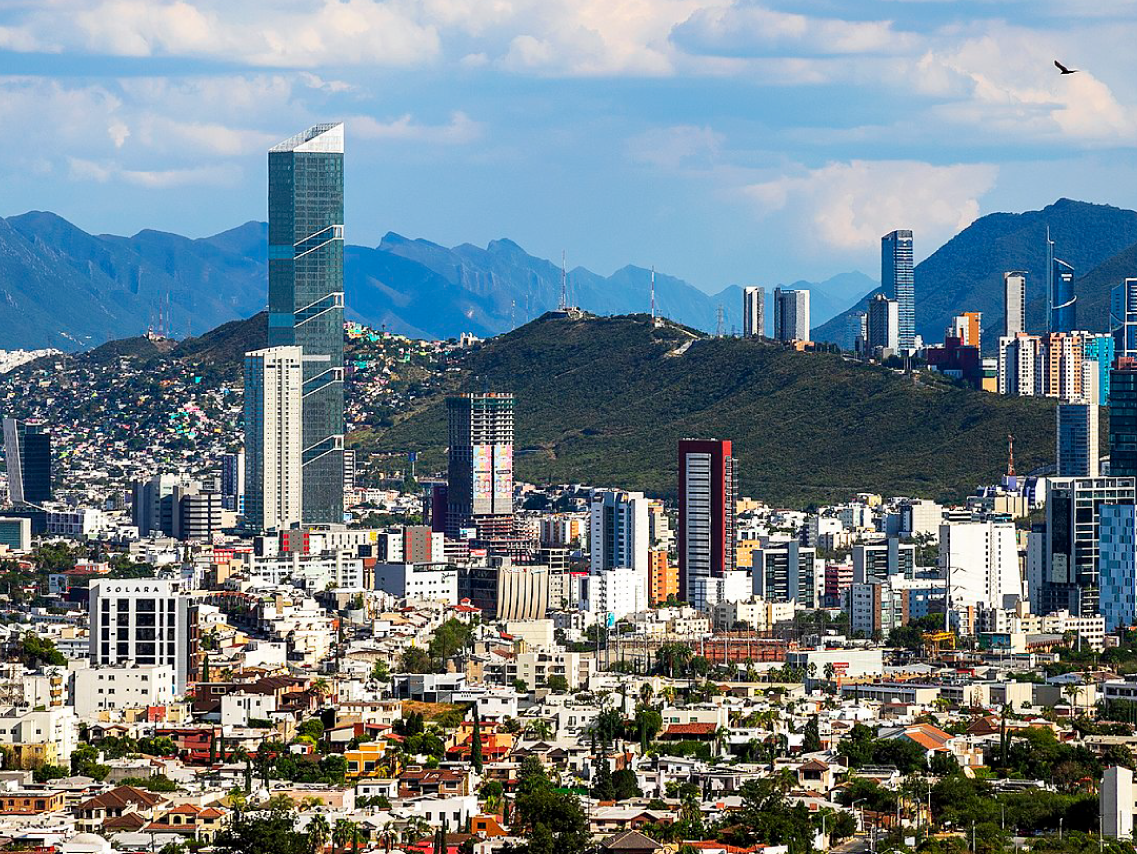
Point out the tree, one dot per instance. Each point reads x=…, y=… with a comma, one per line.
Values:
x=476, y=743
x=625, y=785
x=268, y=832
x=811, y=738
x=36, y=651
x=416, y=660
x=603, y=788
x=553, y=822
x=318, y=832
x=557, y=683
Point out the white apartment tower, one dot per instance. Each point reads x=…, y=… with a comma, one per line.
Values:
x=273, y=437
x=754, y=312
x=143, y=622
x=1014, y=303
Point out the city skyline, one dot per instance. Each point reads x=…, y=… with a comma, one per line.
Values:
x=729, y=143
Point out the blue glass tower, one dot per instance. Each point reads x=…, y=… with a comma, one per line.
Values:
x=898, y=279
x=1060, y=291
x=305, y=299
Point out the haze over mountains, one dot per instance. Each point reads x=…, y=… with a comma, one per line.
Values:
x=62, y=287
x=966, y=273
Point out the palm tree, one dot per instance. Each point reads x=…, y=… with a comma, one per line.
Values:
x=342, y=832
x=1073, y=691
x=321, y=686
x=318, y=832
x=646, y=692
x=720, y=739
x=540, y=728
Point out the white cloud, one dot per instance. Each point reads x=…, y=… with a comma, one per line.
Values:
x=752, y=29
x=848, y=206
x=103, y=172
x=459, y=130
x=677, y=146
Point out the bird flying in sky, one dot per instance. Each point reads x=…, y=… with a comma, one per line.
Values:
x=1064, y=69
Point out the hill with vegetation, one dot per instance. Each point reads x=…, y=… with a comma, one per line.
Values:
x=605, y=400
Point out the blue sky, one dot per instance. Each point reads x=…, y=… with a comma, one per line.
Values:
x=724, y=141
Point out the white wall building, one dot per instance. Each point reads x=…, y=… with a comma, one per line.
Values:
x=273, y=437
x=981, y=563
x=100, y=689
x=618, y=592
x=432, y=582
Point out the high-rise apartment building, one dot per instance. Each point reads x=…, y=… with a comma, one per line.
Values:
x=1077, y=439
x=233, y=482
x=1070, y=555
x=1123, y=318
x=480, y=476
x=1014, y=303
x=1018, y=359
x=144, y=622
x=1058, y=370
x=980, y=561
x=663, y=577
x=349, y=470
x=152, y=507
x=787, y=572
x=968, y=328
x=708, y=495
x=791, y=314
x=619, y=531
x=27, y=452
x=1061, y=302
x=1100, y=349
x=754, y=312
x=1123, y=419
x=897, y=277
x=882, y=324
x=274, y=471
x=305, y=299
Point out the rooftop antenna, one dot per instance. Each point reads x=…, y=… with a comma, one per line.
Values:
x=653, y=293
x=719, y=325
x=513, y=314
x=1010, y=455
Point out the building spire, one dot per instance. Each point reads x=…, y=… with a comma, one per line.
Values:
x=1010, y=455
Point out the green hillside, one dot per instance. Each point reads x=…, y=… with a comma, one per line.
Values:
x=604, y=400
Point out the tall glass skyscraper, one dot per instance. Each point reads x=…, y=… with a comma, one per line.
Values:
x=898, y=278
x=27, y=449
x=305, y=298
x=1063, y=316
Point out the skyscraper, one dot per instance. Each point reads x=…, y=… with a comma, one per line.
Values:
x=1123, y=419
x=1018, y=362
x=1014, y=303
x=1071, y=548
x=27, y=451
x=882, y=325
x=274, y=472
x=305, y=298
x=480, y=475
x=1123, y=318
x=1063, y=310
x=897, y=277
x=1077, y=439
x=233, y=482
x=618, y=532
x=1117, y=560
x=754, y=312
x=791, y=314
x=708, y=495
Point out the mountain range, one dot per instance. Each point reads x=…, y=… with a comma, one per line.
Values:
x=966, y=273
x=62, y=287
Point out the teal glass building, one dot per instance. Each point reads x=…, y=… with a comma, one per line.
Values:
x=306, y=298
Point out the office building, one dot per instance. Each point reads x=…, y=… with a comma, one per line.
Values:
x=1123, y=418
x=856, y=330
x=754, y=312
x=1117, y=565
x=505, y=591
x=1018, y=359
x=920, y=517
x=274, y=471
x=411, y=544
x=16, y=533
x=152, y=508
x=233, y=482
x=787, y=572
x=1061, y=302
x=197, y=513
x=791, y=314
x=1099, y=351
x=968, y=328
x=1077, y=440
x=480, y=476
x=305, y=300
x=1014, y=303
x=1070, y=575
x=708, y=494
x=1116, y=803
x=27, y=453
x=662, y=577
x=897, y=278
x=980, y=561
x=144, y=622
x=882, y=325
x=1123, y=318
